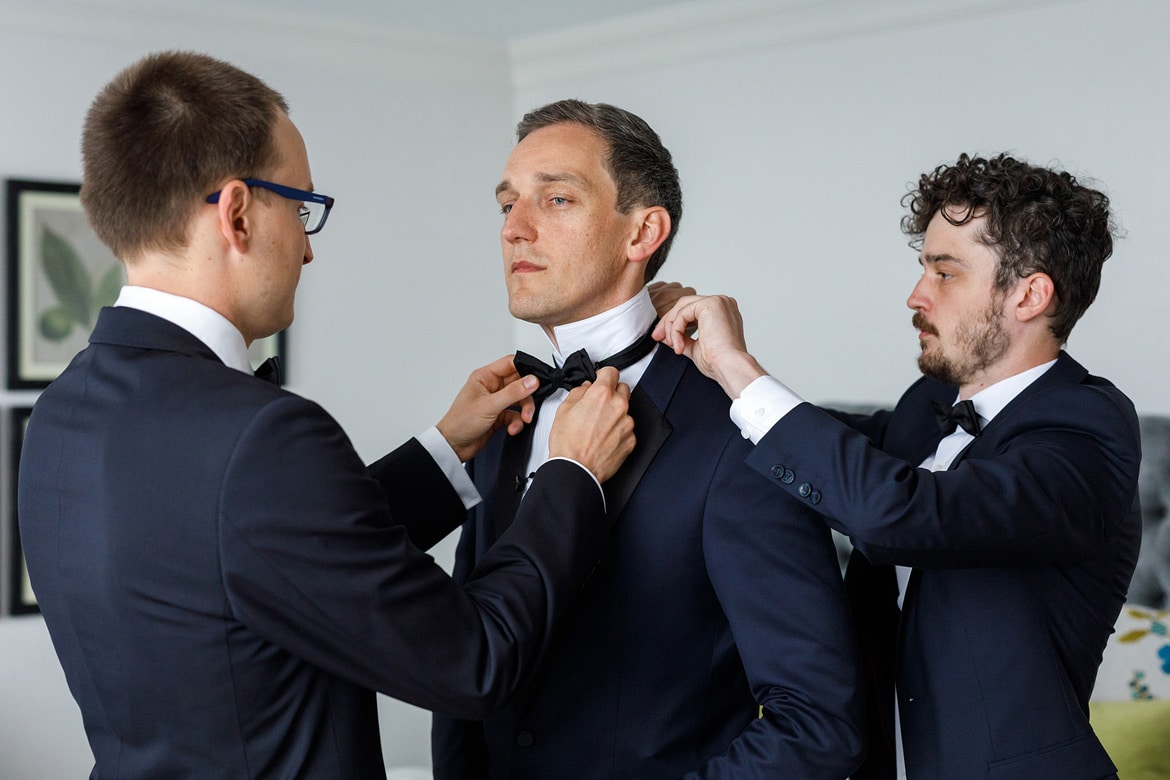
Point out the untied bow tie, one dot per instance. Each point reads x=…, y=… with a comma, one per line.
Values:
x=962, y=414
x=578, y=367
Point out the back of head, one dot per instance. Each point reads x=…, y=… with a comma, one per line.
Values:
x=161, y=137
x=641, y=166
x=1038, y=220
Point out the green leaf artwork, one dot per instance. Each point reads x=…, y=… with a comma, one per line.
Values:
x=78, y=299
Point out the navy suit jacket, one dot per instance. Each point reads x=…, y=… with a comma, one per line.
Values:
x=226, y=585
x=707, y=604
x=1022, y=553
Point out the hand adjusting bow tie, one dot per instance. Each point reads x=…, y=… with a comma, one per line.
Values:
x=269, y=370
x=578, y=366
x=962, y=414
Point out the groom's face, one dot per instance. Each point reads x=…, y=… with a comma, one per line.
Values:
x=564, y=242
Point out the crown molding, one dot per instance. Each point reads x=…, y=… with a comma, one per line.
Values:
x=706, y=28
x=233, y=30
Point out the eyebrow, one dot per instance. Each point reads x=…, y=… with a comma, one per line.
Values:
x=924, y=259
x=550, y=178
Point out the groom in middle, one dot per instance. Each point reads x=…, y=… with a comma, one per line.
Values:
x=712, y=639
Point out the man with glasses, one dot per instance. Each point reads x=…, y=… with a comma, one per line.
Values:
x=225, y=583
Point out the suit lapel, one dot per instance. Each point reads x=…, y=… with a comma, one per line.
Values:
x=651, y=430
x=648, y=403
x=1067, y=370
x=508, y=486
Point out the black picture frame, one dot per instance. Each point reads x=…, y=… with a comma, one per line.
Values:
x=59, y=275
x=21, y=599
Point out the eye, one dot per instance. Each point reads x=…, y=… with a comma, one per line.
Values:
x=505, y=208
x=558, y=200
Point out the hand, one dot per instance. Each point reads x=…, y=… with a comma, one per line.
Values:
x=719, y=350
x=487, y=402
x=593, y=427
x=664, y=295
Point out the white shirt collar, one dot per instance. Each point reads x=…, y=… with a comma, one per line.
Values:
x=202, y=322
x=607, y=333
x=992, y=399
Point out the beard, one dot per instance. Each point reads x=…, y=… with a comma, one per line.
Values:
x=980, y=341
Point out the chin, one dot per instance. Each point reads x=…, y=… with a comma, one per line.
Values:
x=524, y=312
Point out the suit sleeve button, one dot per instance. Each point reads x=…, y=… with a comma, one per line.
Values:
x=815, y=497
x=804, y=490
x=778, y=472
x=788, y=477
x=524, y=739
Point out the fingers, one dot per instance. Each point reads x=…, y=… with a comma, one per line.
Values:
x=482, y=407
x=664, y=294
x=593, y=426
x=497, y=374
x=672, y=328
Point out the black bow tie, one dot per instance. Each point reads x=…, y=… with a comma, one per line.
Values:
x=269, y=370
x=578, y=367
x=962, y=414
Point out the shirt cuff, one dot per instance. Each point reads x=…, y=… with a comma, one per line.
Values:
x=587, y=471
x=434, y=443
x=761, y=405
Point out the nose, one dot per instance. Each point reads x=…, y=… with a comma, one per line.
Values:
x=918, y=300
x=517, y=225
x=308, y=252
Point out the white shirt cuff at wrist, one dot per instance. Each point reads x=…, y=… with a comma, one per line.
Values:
x=761, y=405
x=434, y=443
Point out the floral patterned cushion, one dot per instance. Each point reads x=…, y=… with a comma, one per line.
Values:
x=1136, y=664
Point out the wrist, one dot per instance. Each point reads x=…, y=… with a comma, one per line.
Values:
x=735, y=370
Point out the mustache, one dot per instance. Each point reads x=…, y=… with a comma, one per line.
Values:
x=919, y=322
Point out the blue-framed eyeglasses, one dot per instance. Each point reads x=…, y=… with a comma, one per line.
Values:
x=314, y=209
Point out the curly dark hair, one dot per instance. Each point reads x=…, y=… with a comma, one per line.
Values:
x=1038, y=220
x=641, y=166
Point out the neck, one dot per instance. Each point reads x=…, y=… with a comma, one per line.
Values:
x=607, y=332
x=1007, y=368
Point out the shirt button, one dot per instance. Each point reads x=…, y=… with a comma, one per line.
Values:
x=524, y=739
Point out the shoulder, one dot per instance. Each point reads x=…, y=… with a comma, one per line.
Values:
x=1069, y=395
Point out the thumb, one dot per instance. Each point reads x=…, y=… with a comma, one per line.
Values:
x=514, y=392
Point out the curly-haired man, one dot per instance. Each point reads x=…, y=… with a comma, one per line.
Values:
x=995, y=539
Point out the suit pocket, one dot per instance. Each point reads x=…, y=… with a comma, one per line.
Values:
x=1081, y=758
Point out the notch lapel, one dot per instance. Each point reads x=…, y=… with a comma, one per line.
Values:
x=651, y=430
x=510, y=479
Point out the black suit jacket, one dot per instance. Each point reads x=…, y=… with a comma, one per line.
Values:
x=709, y=603
x=225, y=583
x=1022, y=553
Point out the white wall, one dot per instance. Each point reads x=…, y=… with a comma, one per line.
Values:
x=796, y=127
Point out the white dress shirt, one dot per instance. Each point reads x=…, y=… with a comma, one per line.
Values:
x=600, y=336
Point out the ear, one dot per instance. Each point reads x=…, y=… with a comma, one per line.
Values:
x=235, y=202
x=653, y=226
x=1035, y=297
